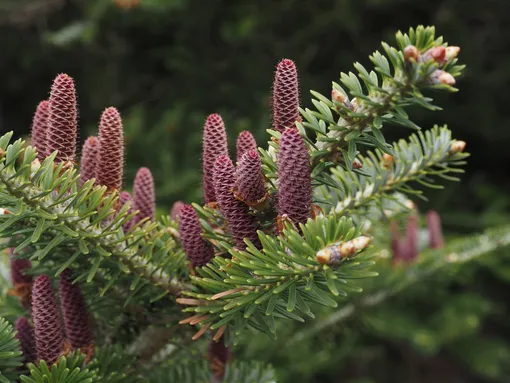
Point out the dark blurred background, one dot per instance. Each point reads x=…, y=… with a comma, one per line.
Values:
x=166, y=64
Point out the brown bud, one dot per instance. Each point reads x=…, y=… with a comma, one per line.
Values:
x=451, y=52
x=441, y=77
x=411, y=53
x=457, y=147
x=387, y=161
x=339, y=97
x=356, y=164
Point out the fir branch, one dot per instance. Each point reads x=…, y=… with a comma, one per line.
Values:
x=423, y=156
x=255, y=286
x=10, y=352
x=47, y=199
x=377, y=97
x=456, y=253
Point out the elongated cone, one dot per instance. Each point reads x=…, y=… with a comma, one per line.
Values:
x=143, y=196
x=110, y=161
x=88, y=161
x=245, y=142
x=219, y=356
x=294, y=179
x=40, y=129
x=240, y=223
x=285, y=95
x=435, y=231
x=410, y=244
x=175, y=212
x=63, y=119
x=214, y=145
x=25, y=334
x=49, y=339
x=249, y=186
x=74, y=311
x=199, y=251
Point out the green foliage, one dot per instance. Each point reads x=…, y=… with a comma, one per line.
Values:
x=67, y=370
x=198, y=372
x=10, y=354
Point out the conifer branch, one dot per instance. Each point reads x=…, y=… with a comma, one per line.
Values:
x=47, y=199
x=456, y=253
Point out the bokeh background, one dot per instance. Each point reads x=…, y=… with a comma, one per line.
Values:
x=166, y=64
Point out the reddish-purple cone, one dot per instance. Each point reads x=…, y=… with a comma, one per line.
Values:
x=214, y=145
x=199, y=251
x=144, y=199
x=49, y=339
x=285, y=95
x=240, y=223
x=25, y=335
x=63, y=119
x=110, y=161
x=175, y=212
x=88, y=162
x=249, y=185
x=74, y=311
x=245, y=142
x=410, y=244
x=40, y=129
x=294, y=180
x=219, y=356
x=435, y=231
x=18, y=268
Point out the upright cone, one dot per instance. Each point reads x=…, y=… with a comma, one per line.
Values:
x=62, y=120
x=76, y=317
x=294, y=178
x=144, y=198
x=198, y=251
x=214, y=145
x=245, y=142
x=240, y=223
x=285, y=95
x=49, y=338
x=40, y=129
x=88, y=162
x=110, y=161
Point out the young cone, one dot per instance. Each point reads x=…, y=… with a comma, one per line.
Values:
x=219, y=356
x=294, y=179
x=410, y=245
x=49, y=340
x=214, y=145
x=110, y=160
x=40, y=129
x=435, y=232
x=143, y=196
x=25, y=335
x=76, y=317
x=62, y=120
x=245, y=142
x=240, y=223
x=249, y=185
x=88, y=162
x=175, y=212
x=285, y=95
x=199, y=251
